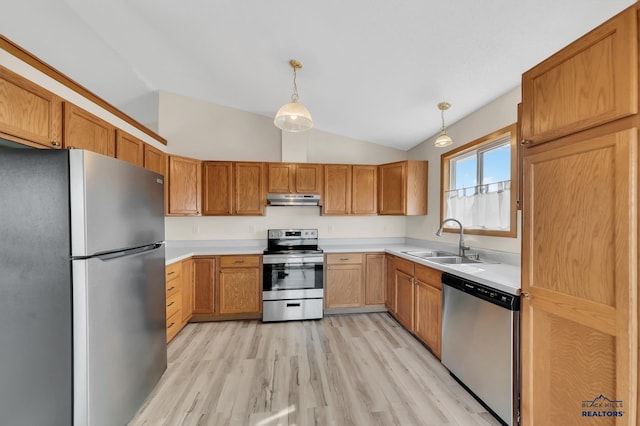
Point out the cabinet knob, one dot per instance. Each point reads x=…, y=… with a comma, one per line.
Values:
x=525, y=294
x=525, y=142
x=55, y=143
x=71, y=147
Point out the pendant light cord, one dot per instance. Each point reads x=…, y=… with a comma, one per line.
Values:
x=442, y=115
x=294, y=96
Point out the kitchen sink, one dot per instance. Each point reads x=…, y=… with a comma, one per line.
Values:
x=429, y=254
x=452, y=260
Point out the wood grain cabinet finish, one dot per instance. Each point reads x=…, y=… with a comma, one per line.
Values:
x=83, y=130
x=428, y=307
x=344, y=283
x=155, y=160
x=402, y=188
x=404, y=299
x=184, y=193
x=28, y=113
x=374, y=287
x=233, y=188
x=239, y=285
x=390, y=284
x=350, y=190
x=188, y=284
x=204, y=286
x=291, y=178
x=592, y=81
x=173, y=282
x=129, y=148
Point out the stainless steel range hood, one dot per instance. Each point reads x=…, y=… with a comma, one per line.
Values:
x=293, y=199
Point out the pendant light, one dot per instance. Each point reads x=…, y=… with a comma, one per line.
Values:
x=443, y=139
x=294, y=117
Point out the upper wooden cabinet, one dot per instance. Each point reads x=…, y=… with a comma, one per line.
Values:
x=184, y=185
x=155, y=160
x=349, y=190
x=83, y=130
x=129, y=148
x=291, y=178
x=29, y=113
x=592, y=81
x=402, y=188
x=233, y=188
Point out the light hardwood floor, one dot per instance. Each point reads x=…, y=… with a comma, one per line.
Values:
x=342, y=370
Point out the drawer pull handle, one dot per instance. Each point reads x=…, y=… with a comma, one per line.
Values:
x=344, y=258
x=171, y=273
x=171, y=288
x=293, y=305
x=239, y=261
x=170, y=325
x=169, y=305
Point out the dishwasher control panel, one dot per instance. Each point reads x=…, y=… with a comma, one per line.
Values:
x=497, y=297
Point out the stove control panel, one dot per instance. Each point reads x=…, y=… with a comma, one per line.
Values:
x=292, y=233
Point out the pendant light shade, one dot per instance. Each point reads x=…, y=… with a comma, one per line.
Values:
x=294, y=117
x=443, y=139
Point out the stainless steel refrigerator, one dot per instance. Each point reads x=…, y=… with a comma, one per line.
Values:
x=82, y=297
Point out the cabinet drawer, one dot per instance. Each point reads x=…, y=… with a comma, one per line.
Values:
x=173, y=326
x=404, y=265
x=173, y=271
x=344, y=258
x=429, y=276
x=173, y=305
x=239, y=261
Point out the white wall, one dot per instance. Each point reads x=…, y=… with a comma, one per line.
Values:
x=497, y=114
x=203, y=130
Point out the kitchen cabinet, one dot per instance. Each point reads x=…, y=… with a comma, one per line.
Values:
x=173, y=281
x=233, y=188
x=155, y=160
x=344, y=280
x=349, y=190
x=187, y=290
x=239, y=284
x=428, y=307
x=402, y=188
x=405, y=294
x=28, y=113
x=292, y=178
x=592, y=81
x=129, y=148
x=204, y=285
x=184, y=183
x=374, y=288
x=83, y=130
x=390, y=284
x=580, y=226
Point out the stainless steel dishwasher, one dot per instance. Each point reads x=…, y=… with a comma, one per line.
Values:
x=480, y=341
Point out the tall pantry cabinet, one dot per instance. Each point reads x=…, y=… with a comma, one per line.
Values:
x=580, y=229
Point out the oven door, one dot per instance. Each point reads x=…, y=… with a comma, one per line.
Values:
x=292, y=277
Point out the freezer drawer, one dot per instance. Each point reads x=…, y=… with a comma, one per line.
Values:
x=292, y=309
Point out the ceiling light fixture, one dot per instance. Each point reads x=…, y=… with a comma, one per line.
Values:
x=443, y=139
x=294, y=117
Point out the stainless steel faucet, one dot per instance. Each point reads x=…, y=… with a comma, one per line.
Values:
x=461, y=246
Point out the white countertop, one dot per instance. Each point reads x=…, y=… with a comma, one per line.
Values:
x=501, y=276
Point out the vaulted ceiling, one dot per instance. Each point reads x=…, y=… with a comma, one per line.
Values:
x=373, y=69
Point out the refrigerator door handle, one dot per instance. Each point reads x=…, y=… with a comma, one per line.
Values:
x=121, y=253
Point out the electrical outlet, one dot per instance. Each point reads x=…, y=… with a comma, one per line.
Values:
x=330, y=229
x=252, y=229
x=196, y=229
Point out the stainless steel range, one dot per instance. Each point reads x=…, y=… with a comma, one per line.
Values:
x=293, y=276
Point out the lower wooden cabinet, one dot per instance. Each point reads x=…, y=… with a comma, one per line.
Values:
x=344, y=281
x=404, y=299
x=188, y=283
x=428, y=307
x=204, y=285
x=173, y=282
x=239, y=284
x=374, y=276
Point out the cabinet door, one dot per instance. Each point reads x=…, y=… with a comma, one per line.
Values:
x=308, y=178
x=28, y=112
x=184, y=186
x=392, y=196
x=249, y=189
x=343, y=286
x=390, y=285
x=217, y=194
x=204, y=296
x=374, y=288
x=281, y=178
x=404, y=299
x=364, y=190
x=155, y=160
x=592, y=81
x=129, y=148
x=337, y=190
x=579, y=274
x=240, y=291
x=428, y=315
x=188, y=284
x=83, y=130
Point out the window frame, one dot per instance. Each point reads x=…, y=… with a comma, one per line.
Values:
x=480, y=144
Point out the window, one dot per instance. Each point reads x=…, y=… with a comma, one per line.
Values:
x=476, y=184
